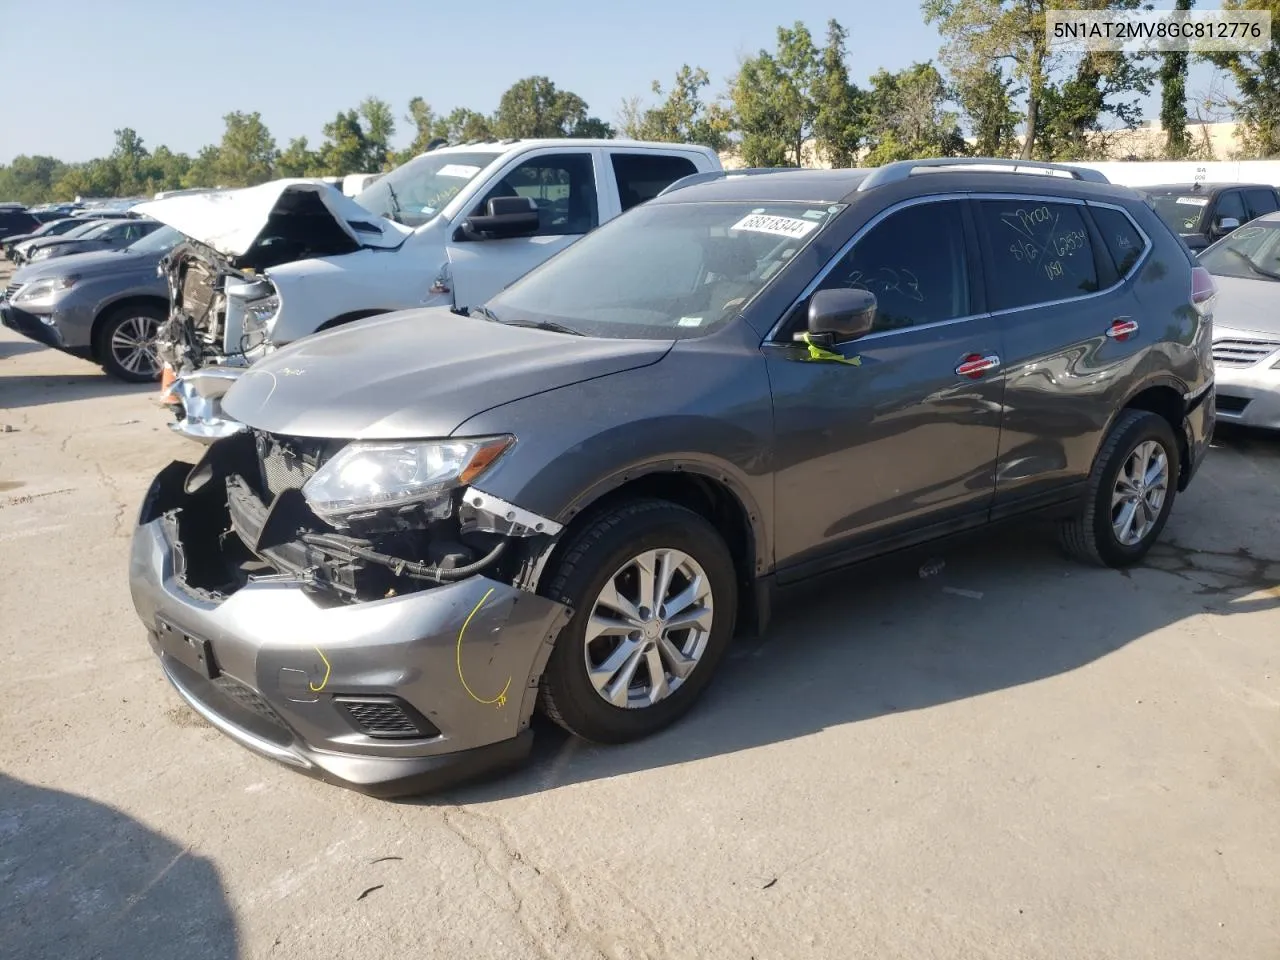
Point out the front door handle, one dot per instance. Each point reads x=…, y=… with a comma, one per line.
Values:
x=1122, y=328
x=975, y=365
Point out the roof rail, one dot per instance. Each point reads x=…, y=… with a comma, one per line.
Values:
x=893, y=172
x=709, y=175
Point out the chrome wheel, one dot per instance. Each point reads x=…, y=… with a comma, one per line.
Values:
x=648, y=628
x=1139, y=493
x=133, y=346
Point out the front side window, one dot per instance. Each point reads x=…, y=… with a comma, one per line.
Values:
x=561, y=186
x=1230, y=204
x=415, y=192
x=642, y=176
x=1252, y=252
x=666, y=270
x=1039, y=252
x=914, y=262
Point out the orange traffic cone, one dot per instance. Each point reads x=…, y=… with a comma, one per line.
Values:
x=167, y=379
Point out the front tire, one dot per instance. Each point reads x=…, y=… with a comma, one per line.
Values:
x=1131, y=491
x=126, y=343
x=654, y=594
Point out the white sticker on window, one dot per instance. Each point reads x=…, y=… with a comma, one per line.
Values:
x=689, y=322
x=1192, y=201
x=782, y=226
x=458, y=170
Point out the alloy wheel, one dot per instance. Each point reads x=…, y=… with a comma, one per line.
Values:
x=648, y=628
x=133, y=346
x=1139, y=493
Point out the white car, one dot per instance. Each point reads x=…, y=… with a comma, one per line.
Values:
x=274, y=263
x=1246, y=323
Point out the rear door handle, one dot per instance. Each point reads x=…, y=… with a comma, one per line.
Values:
x=975, y=365
x=1122, y=328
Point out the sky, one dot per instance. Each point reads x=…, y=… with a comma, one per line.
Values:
x=76, y=70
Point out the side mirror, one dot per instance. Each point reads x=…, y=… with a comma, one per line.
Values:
x=507, y=217
x=841, y=314
x=1225, y=225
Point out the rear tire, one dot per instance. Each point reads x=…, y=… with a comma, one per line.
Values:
x=1131, y=490
x=654, y=594
x=125, y=343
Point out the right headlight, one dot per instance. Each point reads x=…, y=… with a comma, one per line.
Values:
x=363, y=477
x=41, y=253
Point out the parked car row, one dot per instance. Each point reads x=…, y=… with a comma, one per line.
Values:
x=451, y=478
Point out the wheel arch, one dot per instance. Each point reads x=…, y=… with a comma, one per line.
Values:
x=106, y=310
x=713, y=495
x=1166, y=398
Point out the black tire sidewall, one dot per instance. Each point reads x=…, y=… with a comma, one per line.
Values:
x=662, y=526
x=109, y=326
x=1149, y=427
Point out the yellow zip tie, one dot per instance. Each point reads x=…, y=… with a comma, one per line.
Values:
x=501, y=698
x=327, y=668
x=819, y=353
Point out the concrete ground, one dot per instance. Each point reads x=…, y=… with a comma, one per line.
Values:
x=1015, y=758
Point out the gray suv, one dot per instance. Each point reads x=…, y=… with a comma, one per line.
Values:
x=573, y=498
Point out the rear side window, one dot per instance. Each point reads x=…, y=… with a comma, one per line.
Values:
x=1039, y=252
x=643, y=176
x=1125, y=244
x=1260, y=202
x=914, y=262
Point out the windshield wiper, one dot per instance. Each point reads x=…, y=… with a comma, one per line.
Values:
x=551, y=325
x=1260, y=271
x=395, y=203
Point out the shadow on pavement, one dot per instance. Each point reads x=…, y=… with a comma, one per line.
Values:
x=14, y=348
x=82, y=880
x=36, y=389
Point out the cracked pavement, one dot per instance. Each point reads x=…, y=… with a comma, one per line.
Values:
x=1015, y=758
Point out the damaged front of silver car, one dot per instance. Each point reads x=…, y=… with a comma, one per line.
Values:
x=223, y=295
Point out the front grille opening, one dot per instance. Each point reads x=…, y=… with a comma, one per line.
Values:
x=286, y=463
x=1229, y=404
x=1242, y=353
x=387, y=718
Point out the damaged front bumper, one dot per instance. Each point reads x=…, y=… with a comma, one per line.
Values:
x=197, y=400
x=395, y=696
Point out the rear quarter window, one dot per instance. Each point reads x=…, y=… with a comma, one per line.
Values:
x=1124, y=242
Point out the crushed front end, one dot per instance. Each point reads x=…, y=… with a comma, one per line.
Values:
x=393, y=650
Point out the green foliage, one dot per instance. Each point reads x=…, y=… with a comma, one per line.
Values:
x=839, y=123
x=908, y=116
x=682, y=117
x=773, y=98
x=535, y=107
x=247, y=154
x=379, y=128
x=1257, y=77
x=986, y=101
x=1173, y=99
x=297, y=160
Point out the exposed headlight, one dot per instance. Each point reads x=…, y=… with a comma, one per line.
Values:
x=44, y=290
x=372, y=476
x=41, y=253
x=259, y=313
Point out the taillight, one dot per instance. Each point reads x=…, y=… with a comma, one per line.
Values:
x=1203, y=290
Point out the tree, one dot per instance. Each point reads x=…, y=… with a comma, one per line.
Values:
x=534, y=107
x=379, y=128
x=344, y=149
x=986, y=99
x=682, y=117
x=130, y=158
x=30, y=179
x=1105, y=83
x=166, y=169
x=773, y=99
x=839, y=119
x=463, y=125
x=909, y=118
x=247, y=154
x=1257, y=77
x=424, y=121
x=297, y=160
x=203, y=171
x=1173, y=99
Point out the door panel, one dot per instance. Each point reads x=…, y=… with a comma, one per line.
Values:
x=900, y=441
x=1045, y=263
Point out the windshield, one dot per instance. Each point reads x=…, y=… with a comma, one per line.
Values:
x=160, y=240
x=1253, y=252
x=668, y=271
x=1180, y=210
x=414, y=192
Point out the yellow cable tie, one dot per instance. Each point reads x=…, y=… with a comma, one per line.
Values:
x=819, y=353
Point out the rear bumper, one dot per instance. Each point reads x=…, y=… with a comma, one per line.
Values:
x=1198, y=427
x=277, y=667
